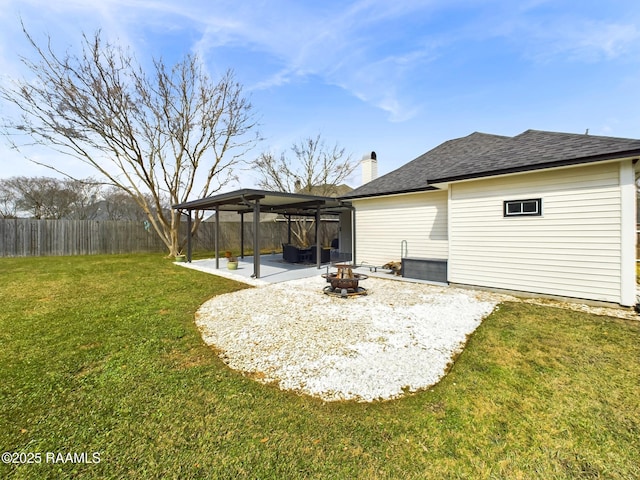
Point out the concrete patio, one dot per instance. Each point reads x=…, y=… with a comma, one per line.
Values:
x=273, y=269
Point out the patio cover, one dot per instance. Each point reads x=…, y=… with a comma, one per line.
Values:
x=262, y=201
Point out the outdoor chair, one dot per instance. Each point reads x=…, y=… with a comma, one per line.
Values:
x=290, y=253
x=325, y=255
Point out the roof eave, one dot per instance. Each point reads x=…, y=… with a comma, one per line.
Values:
x=427, y=188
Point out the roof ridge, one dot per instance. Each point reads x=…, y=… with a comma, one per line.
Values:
x=488, y=135
x=572, y=134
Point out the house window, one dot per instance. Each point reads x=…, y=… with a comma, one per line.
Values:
x=519, y=208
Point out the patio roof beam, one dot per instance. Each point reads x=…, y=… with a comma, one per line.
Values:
x=288, y=210
x=293, y=213
x=300, y=206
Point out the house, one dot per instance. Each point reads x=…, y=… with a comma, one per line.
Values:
x=541, y=212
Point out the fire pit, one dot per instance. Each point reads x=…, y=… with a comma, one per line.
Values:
x=344, y=283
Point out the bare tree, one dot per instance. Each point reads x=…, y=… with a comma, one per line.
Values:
x=117, y=205
x=86, y=194
x=315, y=169
x=46, y=197
x=166, y=136
x=41, y=197
x=8, y=200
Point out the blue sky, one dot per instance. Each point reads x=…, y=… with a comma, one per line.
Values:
x=398, y=77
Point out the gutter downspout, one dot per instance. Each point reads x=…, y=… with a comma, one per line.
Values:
x=628, y=234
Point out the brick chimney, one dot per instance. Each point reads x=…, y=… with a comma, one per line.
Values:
x=369, y=167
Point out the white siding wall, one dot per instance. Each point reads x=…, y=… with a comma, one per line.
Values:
x=383, y=223
x=573, y=249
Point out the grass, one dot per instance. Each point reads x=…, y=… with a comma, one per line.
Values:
x=100, y=354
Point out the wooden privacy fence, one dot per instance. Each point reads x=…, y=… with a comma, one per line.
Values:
x=23, y=237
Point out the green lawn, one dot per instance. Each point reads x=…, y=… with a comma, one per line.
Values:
x=100, y=354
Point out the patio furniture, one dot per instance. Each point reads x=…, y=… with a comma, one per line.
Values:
x=290, y=253
x=293, y=254
x=325, y=255
x=304, y=255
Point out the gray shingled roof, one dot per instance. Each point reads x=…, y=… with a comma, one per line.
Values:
x=480, y=155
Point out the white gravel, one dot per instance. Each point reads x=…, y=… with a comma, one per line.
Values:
x=399, y=338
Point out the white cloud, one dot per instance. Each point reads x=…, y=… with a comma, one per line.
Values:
x=584, y=41
x=338, y=45
x=609, y=40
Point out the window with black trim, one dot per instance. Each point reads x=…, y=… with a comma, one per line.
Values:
x=531, y=207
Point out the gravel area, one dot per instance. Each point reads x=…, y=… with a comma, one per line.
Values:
x=399, y=338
